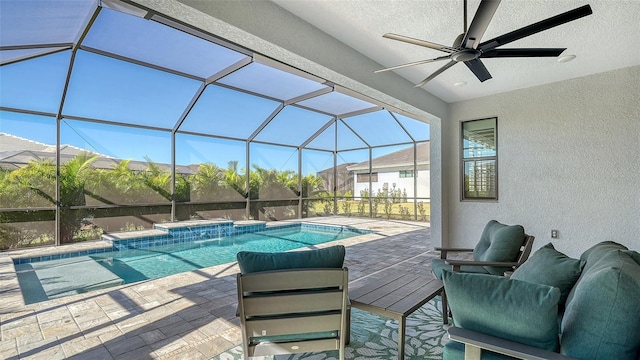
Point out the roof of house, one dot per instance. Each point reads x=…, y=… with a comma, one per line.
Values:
x=401, y=158
x=13, y=144
x=16, y=152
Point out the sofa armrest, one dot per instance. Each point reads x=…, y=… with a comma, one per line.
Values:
x=444, y=251
x=456, y=264
x=475, y=342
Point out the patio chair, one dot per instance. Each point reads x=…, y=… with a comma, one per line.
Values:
x=293, y=302
x=501, y=248
x=293, y=311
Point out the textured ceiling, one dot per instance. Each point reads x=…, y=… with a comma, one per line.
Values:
x=606, y=40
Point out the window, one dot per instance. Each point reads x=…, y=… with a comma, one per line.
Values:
x=364, y=178
x=406, y=173
x=479, y=159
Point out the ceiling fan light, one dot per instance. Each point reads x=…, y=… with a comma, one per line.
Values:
x=566, y=58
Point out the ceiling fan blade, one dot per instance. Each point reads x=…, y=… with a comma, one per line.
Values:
x=523, y=52
x=418, y=42
x=436, y=73
x=479, y=24
x=477, y=67
x=536, y=27
x=412, y=64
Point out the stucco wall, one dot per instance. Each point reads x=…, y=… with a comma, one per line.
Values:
x=569, y=159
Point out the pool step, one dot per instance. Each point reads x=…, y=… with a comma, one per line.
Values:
x=58, y=278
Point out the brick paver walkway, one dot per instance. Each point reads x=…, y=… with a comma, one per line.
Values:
x=183, y=316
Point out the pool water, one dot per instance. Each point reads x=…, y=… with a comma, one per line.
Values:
x=137, y=259
x=160, y=261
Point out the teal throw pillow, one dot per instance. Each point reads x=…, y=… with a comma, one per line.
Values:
x=510, y=309
x=602, y=318
x=597, y=251
x=330, y=257
x=548, y=266
x=499, y=242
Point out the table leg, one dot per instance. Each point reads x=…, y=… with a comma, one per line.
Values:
x=445, y=308
x=402, y=322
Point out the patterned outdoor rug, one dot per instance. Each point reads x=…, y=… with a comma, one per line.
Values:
x=376, y=337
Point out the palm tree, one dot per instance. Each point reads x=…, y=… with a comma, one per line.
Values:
x=207, y=181
x=37, y=183
x=73, y=176
x=38, y=177
x=312, y=186
x=234, y=179
x=157, y=179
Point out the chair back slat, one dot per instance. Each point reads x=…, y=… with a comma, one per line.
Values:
x=292, y=303
x=279, y=326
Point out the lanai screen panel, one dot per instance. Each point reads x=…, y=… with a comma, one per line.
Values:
x=378, y=128
x=325, y=140
x=122, y=174
x=43, y=22
x=25, y=153
x=109, y=89
x=418, y=130
x=41, y=78
x=293, y=126
x=347, y=139
x=229, y=113
x=269, y=81
x=217, y=167
x=336, y=103
x=159, y=45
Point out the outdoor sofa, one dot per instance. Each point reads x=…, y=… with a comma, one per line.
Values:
x=552, y=307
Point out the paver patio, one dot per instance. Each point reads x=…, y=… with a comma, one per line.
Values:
x=184, y=316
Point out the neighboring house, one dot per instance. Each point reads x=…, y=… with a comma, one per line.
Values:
x=343, y=181
x=394, y=171
x=16, y=152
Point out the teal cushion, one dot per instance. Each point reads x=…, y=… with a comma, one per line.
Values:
x=550, y=267
x=597, y=251
x=510, y=309
x=330, y=257
x=437, y=265
x=593, y=255
x=602, y=319
x=499, y=242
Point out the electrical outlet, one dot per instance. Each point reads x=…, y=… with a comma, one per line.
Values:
x=554, y=234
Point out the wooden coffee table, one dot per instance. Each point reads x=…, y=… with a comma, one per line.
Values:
x=396, y=294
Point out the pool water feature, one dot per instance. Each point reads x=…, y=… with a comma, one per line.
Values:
x=170, y=251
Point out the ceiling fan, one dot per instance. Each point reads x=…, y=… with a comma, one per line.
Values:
x=468, y=49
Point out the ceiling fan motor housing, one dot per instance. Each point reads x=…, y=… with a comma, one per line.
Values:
x=465, y=55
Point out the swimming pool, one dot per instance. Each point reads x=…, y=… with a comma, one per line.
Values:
x=151, y=263
x=137, y=260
